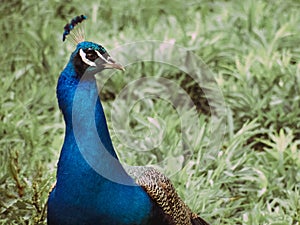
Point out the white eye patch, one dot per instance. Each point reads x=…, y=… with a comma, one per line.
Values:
x=86, y=60
x=101, y=56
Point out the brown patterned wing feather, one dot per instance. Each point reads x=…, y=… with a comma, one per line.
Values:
x=162, y=191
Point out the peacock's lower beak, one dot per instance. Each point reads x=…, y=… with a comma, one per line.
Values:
x=112, y=64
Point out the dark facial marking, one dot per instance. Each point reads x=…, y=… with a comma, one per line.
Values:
x=91, y=54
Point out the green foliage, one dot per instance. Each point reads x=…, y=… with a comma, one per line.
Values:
x=252, y=47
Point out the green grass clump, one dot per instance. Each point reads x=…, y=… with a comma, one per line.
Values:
x=252, y=49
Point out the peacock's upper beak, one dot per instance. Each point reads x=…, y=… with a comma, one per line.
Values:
x=112, y=64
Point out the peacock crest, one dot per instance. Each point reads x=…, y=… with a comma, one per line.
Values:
x=75, y=32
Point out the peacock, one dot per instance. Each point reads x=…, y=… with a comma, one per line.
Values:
x=92, y=187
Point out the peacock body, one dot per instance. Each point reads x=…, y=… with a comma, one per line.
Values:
x=83, y=195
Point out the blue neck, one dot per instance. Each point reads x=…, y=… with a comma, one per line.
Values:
x=86, y=132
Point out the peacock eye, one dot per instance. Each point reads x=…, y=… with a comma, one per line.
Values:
x=91, y=55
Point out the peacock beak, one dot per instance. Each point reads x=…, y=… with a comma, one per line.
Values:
x=112, y=64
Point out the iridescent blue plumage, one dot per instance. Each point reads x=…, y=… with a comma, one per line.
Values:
x=81, y=195
x=92, y=187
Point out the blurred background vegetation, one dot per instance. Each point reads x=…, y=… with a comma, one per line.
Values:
x=252, y=48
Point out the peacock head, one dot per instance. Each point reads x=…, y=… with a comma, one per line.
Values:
x=89, y=57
